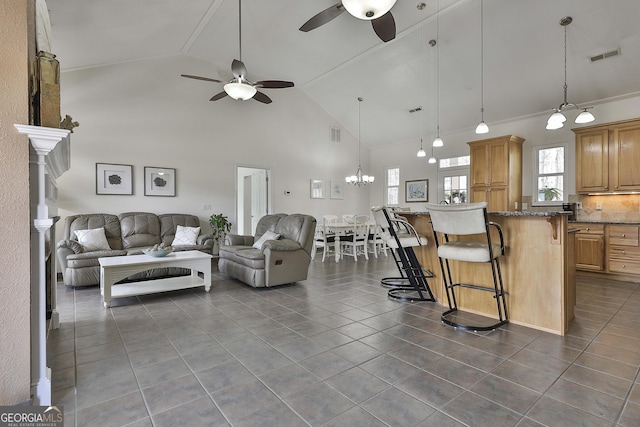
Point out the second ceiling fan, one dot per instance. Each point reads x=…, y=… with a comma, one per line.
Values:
x=240, y=87
x=376, y=11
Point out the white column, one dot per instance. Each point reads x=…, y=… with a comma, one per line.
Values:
x=43, y=140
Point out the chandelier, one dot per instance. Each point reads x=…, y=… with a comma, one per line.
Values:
x=557, y=119
x=359, y=178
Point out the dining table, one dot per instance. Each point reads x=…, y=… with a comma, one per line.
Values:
x=342, y=228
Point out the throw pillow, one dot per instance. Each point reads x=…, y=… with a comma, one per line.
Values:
x=93, y=239
x=268, y=235
x=185, y=236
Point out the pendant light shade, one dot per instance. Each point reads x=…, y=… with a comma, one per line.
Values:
x=438, y=142
x=368, y=9
x=585, y=117
x=557, y=118
x=482, y=126
x=421, y=152
x=359, y=178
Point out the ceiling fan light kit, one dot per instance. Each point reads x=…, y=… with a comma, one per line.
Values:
x=368, y=9
x=240, y=91
x=239, y=88
x=376, y=11
x=557, y=118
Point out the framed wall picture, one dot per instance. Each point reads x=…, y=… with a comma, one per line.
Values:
x=416, y=190
x=317, y=189
x=337, y=189
x=159, y=181
x=114, y=179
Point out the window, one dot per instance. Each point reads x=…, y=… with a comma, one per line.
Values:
x=392, y=190
x=549, y=174
x=453, y=180
x=455, y=189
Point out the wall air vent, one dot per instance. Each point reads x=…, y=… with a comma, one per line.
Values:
x=606, y=55
x=335, y=134
x=415, y=110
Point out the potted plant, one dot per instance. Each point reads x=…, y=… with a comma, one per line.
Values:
x=550, y=193
x=220, y=226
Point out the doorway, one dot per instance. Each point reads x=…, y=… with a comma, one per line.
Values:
x=253, y=195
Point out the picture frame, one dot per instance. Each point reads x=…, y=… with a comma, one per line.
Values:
x=416, y=190
x=337, y=190
x=114, y=179
x=317, y=190
x=159, y=181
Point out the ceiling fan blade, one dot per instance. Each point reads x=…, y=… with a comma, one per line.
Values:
x=274, y=84
x=385, y=27
x=218, y=96
x=238, y=69
x=261, y=97
x=200, y=78
x=323, y=17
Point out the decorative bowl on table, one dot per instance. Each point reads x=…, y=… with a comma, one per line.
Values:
x=158, y=252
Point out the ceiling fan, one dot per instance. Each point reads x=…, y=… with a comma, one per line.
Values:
x=240, y=87
x=376, y=11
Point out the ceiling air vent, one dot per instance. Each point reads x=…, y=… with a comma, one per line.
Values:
x=335, y=135
x=605, y=55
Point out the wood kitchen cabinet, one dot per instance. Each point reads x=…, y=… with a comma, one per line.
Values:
x=496, y=172
x=607, y=157
x=622, y=249
x=589, y=247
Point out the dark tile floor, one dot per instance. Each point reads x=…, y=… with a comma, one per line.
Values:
x=334, y=351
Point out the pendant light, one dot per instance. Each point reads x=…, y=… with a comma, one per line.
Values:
x=421, y=152
x=438, y=142
x=557, y=118
x=482, y=126
x=359, y=178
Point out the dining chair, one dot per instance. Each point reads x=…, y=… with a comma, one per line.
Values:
x=355, y=242
x=376, y=244
x=325, y=237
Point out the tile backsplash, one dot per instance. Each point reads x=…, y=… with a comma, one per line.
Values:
x=609, y=208
x=605, y=208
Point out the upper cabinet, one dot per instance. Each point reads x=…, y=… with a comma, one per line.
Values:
x=607, y=157
x=496, y=172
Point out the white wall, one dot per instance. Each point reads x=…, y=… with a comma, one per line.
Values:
x=532, y=129
x=144, y=114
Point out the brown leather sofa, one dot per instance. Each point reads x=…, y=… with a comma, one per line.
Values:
x=278, y=262
x=127, y=234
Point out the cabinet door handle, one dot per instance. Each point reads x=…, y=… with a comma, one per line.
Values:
x=587, y=229
x=606, y=187
x=623, y=235
x=624, y=252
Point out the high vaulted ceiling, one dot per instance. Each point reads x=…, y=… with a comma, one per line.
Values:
x=344, y=59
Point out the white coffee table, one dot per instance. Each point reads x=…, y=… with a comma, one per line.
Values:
x=114, y=269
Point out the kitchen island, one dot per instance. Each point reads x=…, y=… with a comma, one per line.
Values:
x=538, y=270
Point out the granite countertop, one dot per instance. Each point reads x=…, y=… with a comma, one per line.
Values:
x=604, y=222
x=505, y=213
